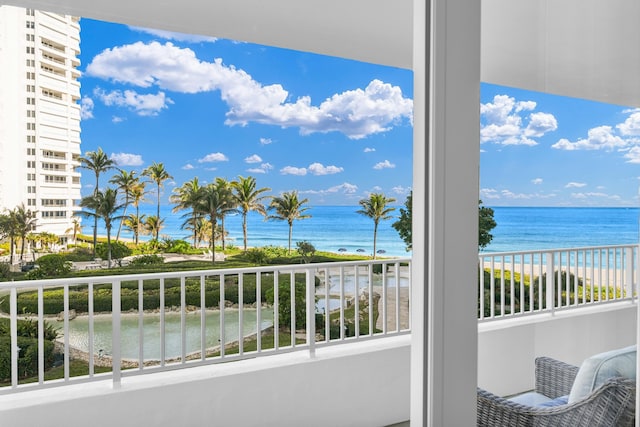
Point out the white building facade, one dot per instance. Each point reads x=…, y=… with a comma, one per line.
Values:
x=40, y=116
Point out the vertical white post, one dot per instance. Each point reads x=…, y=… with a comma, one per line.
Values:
x=65, y=298
x=628, y=272
x=115, y=335
x=311, y=313
x=13, y=325
x=40, y=335
x=550, y=288
x=203, y=319
x=445, y=212
x=241, y=314
x=140, y=324
x=222, y=299
x=183, y=319
x=162, y=325
x=91, y=334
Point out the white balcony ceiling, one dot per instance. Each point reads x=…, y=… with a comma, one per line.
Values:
x=580, y=48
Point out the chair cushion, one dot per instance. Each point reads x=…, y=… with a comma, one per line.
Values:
x=538, y=400
x=595, y=370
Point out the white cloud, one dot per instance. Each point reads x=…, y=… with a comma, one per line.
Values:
x=180, y=37
x=594, y=195
x=86, y=108
x=292, y=170
x=344, y=188
x=536, y=181
x=264, y=168
x=143, y=105
x=188, y=167
x=502, y=122
x=369, y=150
x=505, y=194
x=631, y=126
x=633, y=155
x=253, y=159
x=117, y=119
x=213, y=157
x=384, y=165
x=575, y=185
x=540, y=123
x=356, y=113
x=400, y=190
x=489, y=193
x=265, y=141
x=598, y=138
x=127, y=159
x=320, y=169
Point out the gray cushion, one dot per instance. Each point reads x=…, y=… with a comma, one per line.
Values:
x=595, y=370
x=538, y=400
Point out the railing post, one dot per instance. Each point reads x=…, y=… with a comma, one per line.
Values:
x=115, y=335
x=311, y=313
x=628, y=270
x=13, y=325
x=550, y=285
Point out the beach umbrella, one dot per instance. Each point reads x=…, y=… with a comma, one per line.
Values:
x=342, y=250
x=360, y=250
x=381, y=251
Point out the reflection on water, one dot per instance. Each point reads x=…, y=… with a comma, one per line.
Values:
x=79, y=332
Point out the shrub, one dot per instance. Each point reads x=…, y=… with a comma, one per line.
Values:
x=306, y=251
x=178, y=247
x=52, y=265
x=149, y=259
x=5, y=271
x=256, y=256
x=284, y=302
x=28, y=343
x=118, y=251
x=79, y=253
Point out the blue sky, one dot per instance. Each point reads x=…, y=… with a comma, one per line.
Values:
x=333, y=129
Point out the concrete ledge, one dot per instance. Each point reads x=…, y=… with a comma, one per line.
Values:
x=356, y=384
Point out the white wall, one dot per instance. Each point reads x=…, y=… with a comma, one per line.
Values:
x=507, y=348
x=364, y=384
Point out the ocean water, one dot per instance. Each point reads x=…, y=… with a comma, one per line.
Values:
x=529, y=228
x=330, y=228
x=333, y=227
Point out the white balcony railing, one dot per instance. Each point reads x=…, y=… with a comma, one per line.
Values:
x=134, y=324
x=521, y=283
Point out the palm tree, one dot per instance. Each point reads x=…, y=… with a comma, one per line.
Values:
x=153, y=225
x=186, y=197
x=248, y=198
x=24, y=222
x=124, y=182
x=228, y=203
x=8, y=229
x=103, y=205
x=288, y=208
x=98, y=162
x=134, y=223
x=158, y=174
x=76, y=228
x=137, y=196
x=211, y=204
x=375, y=207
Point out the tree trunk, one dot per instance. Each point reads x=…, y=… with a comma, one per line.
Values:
x=158, y=229
x=222, y=224
x=109, y=246
x=213, y=240
x=244, y=229
x=124, y=215
x=375, y=235
x=290, y=231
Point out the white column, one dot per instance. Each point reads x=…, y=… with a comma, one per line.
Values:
x=445, y=212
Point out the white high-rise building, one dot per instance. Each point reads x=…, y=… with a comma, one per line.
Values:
x=40, y=115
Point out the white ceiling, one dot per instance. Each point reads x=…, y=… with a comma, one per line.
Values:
x=582, y=48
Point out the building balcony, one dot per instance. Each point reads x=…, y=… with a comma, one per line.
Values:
x=307, y=369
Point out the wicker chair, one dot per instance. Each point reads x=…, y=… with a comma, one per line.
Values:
x=612, y=404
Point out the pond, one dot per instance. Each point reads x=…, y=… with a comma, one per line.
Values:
x=79, y=332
